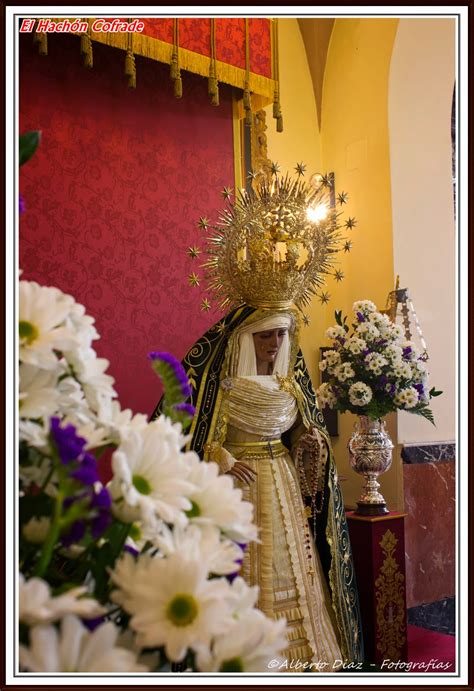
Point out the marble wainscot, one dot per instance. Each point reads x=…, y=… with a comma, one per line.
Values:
x=429, y=486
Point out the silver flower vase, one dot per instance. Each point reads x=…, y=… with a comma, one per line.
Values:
x=370, y=450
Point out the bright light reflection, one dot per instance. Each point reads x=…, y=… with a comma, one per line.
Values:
x=317, y=213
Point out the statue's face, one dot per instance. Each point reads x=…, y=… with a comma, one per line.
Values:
x=267, y=344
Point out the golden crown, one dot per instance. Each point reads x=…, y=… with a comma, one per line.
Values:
x=274, y=245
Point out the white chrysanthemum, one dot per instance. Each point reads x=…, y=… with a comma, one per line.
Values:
x=90, y=371
x=397, y=332
x=39, y=472
x=344, y=371
x=380, y=320
x=393, y=352
x=82, y=325
x=374, y=362
x=151, y=474
x=248, y=646
x=326, y=396
x=36, y=529
x=355, y=345
x=171, y=601
x=402, y=370
x=216, y=501
x=42, y=317
x=322, y=365
x=406, y=398
x=420, y=367
x=75, y=649
x=120, y=422
x=38, y=396
x=364, y=306
x=38, y=606
x=360, y=394
x=242, y=598
x=205, y=542
x=332, y=357
x=368, y=331
x=335, y=332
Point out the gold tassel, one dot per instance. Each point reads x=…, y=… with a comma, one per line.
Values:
x=86, y=50
x=276, y=75
x=213, y=87
x=40, y=38
x=130, y=68
x=175, y=72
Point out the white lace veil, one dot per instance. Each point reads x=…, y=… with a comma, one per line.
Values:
x=244, y=362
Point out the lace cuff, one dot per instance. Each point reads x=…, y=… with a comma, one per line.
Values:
x=215, y=452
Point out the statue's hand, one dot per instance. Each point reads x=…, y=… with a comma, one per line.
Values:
x=243, y=472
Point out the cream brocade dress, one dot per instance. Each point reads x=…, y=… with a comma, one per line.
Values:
x=285, y=565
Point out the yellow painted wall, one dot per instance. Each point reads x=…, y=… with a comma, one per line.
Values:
x=355, y=145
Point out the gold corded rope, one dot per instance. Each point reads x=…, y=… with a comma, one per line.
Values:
x=213, y=88
x=247, y=105
x=130, y=68
x=175, y=71
x=86, y=45
x=40, y=38
x=276, y=76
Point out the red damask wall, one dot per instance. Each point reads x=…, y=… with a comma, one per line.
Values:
x=113, y=196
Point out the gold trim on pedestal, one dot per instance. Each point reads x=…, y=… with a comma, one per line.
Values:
x=390, y=603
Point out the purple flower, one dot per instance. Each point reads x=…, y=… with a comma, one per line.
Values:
x=185, y=408
x=406, y=352
x=366, y=352
x=131, y=550
x=102, y=503
x=381, y=342
x=420, y=389
x=21, y=204
x=75, y=534
x=69, y=445
x=341, y=339
x=177, y=368
x=92, y=624
x=86, y=472
x=360, y=317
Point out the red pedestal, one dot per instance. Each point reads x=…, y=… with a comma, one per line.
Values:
x=378, y=547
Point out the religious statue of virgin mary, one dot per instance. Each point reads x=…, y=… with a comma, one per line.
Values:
x=257, y=417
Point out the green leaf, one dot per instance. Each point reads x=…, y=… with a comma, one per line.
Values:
x=338, y=316
x=434, y=393
x=424, y=411
x=29, y=142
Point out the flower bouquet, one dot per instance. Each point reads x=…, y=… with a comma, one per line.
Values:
x=143, y=572
x=372, y=369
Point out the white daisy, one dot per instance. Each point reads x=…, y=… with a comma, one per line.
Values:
x=407, y=398
x=151, y=474
x=326, y=396
x=367, y=331
x=242, y=598
x=344, y=371
x=251, y=643
x=42, y=317
x=220, y=554
x=82, y=324
x=360, y=394
x=38, y=396
x=364, y=306
x=335, y=332
x=38, y=606
x=216, y=501
x=90, y=371
x=171, y=601
x=75, y=649
x=355, y=345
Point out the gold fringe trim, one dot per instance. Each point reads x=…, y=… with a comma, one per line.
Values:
x=189, y=61
x=130, y=67
x=264, y=521
x=213, y=88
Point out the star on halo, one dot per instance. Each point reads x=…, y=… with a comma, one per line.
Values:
x=324, y=298
x=300, y=168
x=306, y=320
x=347, y=246
x=193, y=279
x=350, y=223
x=205, y=305
x=338, y=275
x=342, y=198
x=252, y=175
x=194, y=252
x=326, y=180
x=203, y=223
x=227, y=192
x=274, y=168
